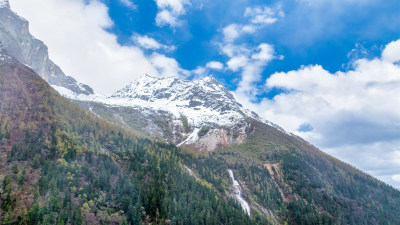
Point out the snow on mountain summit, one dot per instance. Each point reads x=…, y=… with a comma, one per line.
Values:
x=200, y=112
x=202, y=101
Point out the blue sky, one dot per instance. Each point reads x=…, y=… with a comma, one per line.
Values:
x=310, y=32
x=328, y=71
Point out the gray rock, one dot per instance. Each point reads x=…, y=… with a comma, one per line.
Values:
x=20, y=44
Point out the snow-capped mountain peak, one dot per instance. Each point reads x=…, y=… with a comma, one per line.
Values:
x=197, y=109
x=205, y=96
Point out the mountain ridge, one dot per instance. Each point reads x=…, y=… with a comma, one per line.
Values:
x=15, y=36
x=201, y=113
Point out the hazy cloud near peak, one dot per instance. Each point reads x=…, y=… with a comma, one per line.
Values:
x=147, y=42
x=80, y=45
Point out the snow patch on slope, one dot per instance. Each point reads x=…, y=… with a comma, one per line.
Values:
x=193, y=137
x=74, y=96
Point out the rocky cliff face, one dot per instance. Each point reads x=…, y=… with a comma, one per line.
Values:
x=20, y=44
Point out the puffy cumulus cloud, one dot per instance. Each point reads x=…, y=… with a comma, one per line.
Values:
x=215, y=65
x=265, y=53
x=150, y=43
x=237, y=62
x=392, y=52
x=354, y=98
x=169, y=11
x=231, y=32
x=167, y=67
x=128, y=3
x=352, y=115
x=79, y=43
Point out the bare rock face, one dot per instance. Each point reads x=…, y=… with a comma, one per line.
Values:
x=20, y=44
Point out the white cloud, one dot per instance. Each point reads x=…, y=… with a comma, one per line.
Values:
x=352, y=115
x=250, y=62
x=169, y=11
x=258, y=17
x=166, y=17
x=215, y=65
x=266, y=53
x=232, y=50
x=150, y=43
x=167, y=67
x=199, y=72
x=263, y=15
x=234, y=31
x=392, y=52
x=202, y=71
x=237, y=62
x=80, y=45
x=231, y=32
x=249, y=29
x=128, y=3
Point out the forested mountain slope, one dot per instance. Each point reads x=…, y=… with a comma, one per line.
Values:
x=289, y=180
x=61, y=165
